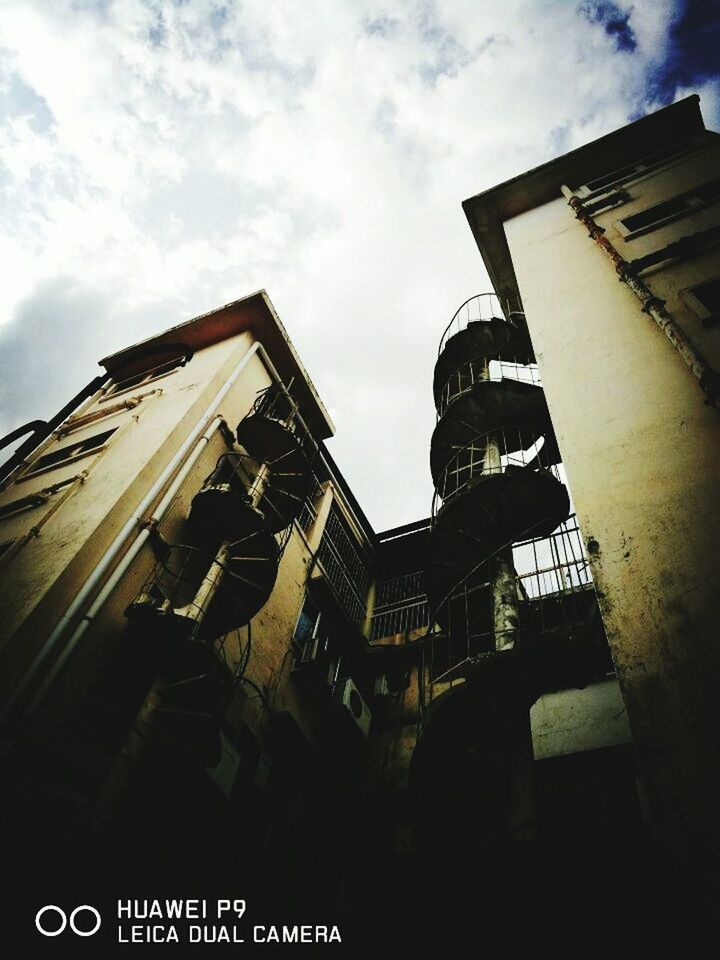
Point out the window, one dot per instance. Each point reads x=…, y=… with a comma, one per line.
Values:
x=317, y=659
x=140, y=379
x=345, y=567
x=704, y=300
x=71, y=452
x=634, y=170
x=307, y=624
x=6, y=546
x=400, y=606
x=19, y=506
x=668, y=210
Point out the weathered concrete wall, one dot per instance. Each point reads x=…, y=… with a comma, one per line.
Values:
x=571, y=721
x=45, y=575
x=43, y=578
x=642, y=453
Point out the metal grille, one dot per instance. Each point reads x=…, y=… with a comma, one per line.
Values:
x=345, y=569
x=492, y=452
x=555, y=583
x=479, y=371
x=553, y=565
x=308, y=514
x=400, y=606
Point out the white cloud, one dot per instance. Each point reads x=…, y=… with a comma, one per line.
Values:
x=169, y=157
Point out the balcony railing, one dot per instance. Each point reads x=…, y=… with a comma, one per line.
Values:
x=553, y=577
x=477, y=371
x=490, y=453
x=345, y=568
x=482, y=306
x=400, y=606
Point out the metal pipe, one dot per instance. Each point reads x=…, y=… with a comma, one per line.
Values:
x=44, y=430
x=198, y=606
x=123, y=566
x=654, y=306
x=73, y=484
x=133, y=526
x=135, y=548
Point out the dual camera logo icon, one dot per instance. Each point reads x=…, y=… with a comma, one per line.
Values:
x=52, y=920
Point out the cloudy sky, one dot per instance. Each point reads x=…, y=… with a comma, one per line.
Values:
x=159, y=159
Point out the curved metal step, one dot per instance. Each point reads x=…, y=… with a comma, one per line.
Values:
x=494, y=511
x=222, y=509
x=489, y=407
x=288, y=456
x=274, y=442
x=249, y=576
x=493, y=339
x=189, y=594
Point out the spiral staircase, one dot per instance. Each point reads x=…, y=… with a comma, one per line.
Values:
x=494, y=462
x=202, y=593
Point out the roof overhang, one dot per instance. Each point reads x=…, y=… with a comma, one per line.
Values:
x=487, y=211
x=255, y=314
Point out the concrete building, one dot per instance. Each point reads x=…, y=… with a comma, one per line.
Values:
x=210, y=660
x=613, y=249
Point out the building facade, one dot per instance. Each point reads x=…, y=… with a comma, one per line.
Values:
x=613, y=249
x=210, y=659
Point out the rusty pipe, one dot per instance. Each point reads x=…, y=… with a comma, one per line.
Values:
x=654, y=306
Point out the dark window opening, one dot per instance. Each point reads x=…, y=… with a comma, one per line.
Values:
x=704, y=301
x=610, y=178
x=401, y=605
x=72, y=451
x=146, y=376
x=6, y=546
x=17, y=506
x=702, y=195
x=709, y=295
x=307, y=622
x=345, y=567
x=669, y=208
x=318, y=662
x=637, y=169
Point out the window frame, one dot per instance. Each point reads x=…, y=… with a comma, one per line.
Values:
x=6, y=545
x=695, y=204
x=14, y=507
x=35, y=469
x=708, y=317
x=116, y=388
x=645, y=167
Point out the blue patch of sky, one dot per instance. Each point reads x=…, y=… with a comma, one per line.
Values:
x=260, y=58
x=219, y=16
x=691, y=55
x=614, y=22
x=157, y=34
x=560, y=139
x=382, y=26
x=385, y=118
x=19, y=99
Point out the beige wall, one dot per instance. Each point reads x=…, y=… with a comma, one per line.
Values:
x=572, y=721
x=642, y=454
x=42, y=579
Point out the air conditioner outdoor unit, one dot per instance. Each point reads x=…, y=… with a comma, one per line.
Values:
x=349, y=696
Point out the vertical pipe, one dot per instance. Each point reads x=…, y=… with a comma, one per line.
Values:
x=506, y=613
x=707, y=376
x=505, y=602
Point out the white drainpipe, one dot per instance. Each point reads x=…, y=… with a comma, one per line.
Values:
x=137, y=524
x=134, y=527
